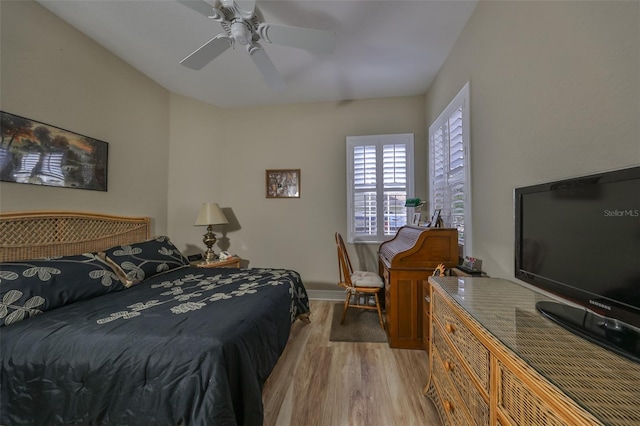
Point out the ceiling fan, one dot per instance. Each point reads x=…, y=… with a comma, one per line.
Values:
x=244, y=25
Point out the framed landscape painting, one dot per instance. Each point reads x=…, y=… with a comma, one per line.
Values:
x=41, y=154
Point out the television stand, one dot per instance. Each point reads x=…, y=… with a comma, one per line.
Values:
x=606, y=332
x=495, y=360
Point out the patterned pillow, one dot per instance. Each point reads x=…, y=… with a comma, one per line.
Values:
x=30, y=287
x=136, y=262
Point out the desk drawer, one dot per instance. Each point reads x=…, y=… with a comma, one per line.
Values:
x=473, y=352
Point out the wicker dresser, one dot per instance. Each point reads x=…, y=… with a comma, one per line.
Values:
x=495, y=360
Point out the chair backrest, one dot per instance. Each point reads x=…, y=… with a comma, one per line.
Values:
x=344, y=264
x=341, y=246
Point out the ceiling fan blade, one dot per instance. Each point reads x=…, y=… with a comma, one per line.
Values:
x=319, y=41
x=207, y=52
x=266, y=67
x=243, y=8
x=246, y=5
x=199, y=6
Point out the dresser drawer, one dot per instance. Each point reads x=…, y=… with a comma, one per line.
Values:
x=476, y=405
x=520, y=405
x=448, y=403
x=473, y=352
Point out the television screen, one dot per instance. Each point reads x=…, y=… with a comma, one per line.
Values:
x=580, y=239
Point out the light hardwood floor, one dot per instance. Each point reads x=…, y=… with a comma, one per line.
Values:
x=318, y=382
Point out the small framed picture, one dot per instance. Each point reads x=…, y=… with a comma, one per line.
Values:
x=283, y=183
x=416, y=218
x=436, y=220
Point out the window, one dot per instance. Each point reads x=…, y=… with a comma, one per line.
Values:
x=449, y=183
x=379, y=180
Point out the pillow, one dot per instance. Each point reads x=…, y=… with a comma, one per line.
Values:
x=136, y=262
x=30, y=287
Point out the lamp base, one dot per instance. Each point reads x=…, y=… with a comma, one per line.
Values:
x=210, y=256
x=209, y=240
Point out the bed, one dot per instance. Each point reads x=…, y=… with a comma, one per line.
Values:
x=115, y=327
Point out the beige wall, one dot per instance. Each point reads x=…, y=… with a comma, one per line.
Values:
x=168, y=153
x=555, y=93
x=197, y=136
x=221, y=156
x=52, y=73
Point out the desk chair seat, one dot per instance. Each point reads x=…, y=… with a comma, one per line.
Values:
x=366, y=279
x=359, y=285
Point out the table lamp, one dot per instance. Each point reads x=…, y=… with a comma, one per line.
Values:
x=210, y=214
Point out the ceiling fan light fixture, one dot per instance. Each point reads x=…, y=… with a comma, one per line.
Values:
x=240, y=33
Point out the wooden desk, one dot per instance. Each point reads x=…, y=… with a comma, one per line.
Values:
x=405, y=263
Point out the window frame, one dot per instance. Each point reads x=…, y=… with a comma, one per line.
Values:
x=379, y=141
x=461, y=100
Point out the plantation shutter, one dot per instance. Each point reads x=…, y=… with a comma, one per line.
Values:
x=394, y=171
x=380, y=178
x=364, y=184
x=448, y=152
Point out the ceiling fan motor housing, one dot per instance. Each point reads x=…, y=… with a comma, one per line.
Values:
x=240, y=32
x=242, y=29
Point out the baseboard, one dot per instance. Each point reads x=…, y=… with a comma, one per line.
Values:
x=333, y=295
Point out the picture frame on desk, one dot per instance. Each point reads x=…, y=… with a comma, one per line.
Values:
x=436, y=219
x=416, y=219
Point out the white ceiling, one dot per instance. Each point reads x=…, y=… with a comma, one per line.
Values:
x=384, y=48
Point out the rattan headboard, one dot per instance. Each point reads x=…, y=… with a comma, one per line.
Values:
x=32, y=235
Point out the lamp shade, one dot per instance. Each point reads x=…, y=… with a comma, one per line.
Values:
x=211, y=214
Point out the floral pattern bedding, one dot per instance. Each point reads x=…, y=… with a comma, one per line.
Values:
x=189, y=346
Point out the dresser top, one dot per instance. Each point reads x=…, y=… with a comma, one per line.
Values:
x=604, y=383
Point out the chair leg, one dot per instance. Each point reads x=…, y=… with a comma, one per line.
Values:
x=379, y=310
x=346, y=306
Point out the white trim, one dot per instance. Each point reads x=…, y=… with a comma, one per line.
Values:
x=461, y=99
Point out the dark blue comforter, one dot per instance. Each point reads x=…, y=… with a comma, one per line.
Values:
x=191, y=346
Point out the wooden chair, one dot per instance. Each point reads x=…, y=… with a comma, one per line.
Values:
x=357, y=284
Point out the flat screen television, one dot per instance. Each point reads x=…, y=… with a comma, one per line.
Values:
x=579, y=239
